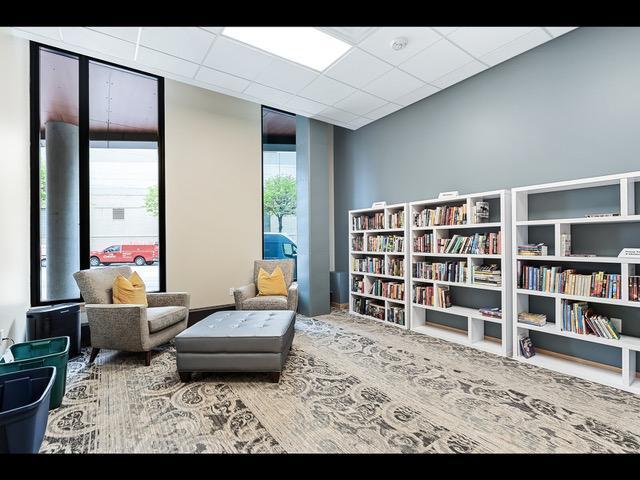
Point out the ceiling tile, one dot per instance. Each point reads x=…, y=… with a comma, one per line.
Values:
x=221, y=79
x=286, y=76
x=357, y=68
x=216, y=30
x=130, y=34
x=167, y=63
x=360, y=122
x=417, y=94
x=337, y=114
x=518, y=46
x=236, y=58
x=459, y=74
x=436, y=61
x=98, y=42
x=49, y=32
x=268, y=94
x=360, y=103
x=326, y=90
x=308, y=106
x=352, y=35
x=445, y=30
x=557, y=31
x=393, y=84
x=383, y=111
x=481, y=40
x=188, y=43
x=379, y=43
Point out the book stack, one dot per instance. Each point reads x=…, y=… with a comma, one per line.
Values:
x=454, y=271
x=392, y=290
x=368, y=265
x=554, y=280
x=438, y=295
x=634, y=288
x=486, y=275
x=395, y=315
x=537, y=319
x=492, y=312
x=446, y=215
x=359, y=305
x=423, y=243
x=357, y=243
x=365, y=222
x=385, y=243
x=395, y=267
x=374, y=310
x=531, y=250
x=357, y=285
x=475, y=244
x=396, y=220
x=578, y=317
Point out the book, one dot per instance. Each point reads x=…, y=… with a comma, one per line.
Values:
x=537, y=319
x=486, y=275
x=368, y=222
x=579, y=317
x=479, y=243
x=533, y=250
x=526, y=346
x=493, y=312
x=452, y=271
x=444, y=215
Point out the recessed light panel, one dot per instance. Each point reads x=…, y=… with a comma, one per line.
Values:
x=304, y=45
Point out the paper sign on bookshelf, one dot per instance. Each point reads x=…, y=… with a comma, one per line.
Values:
x=378, y=204
x=629, y=253
x=442, y=195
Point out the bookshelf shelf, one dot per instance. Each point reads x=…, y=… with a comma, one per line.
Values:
x=386, y=215
x=423, y=317
x=624, y=186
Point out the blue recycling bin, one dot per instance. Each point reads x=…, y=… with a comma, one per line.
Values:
x=24, y=409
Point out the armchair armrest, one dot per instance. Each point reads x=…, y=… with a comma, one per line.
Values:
x=168, y=299
x=118, y=326
x=292, y=297
x=241, y=294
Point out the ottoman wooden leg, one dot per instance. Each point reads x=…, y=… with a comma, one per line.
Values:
x=275, y=377
x=184, y=376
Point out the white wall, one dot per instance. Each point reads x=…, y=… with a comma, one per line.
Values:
x=14, y=184
x=213, y=193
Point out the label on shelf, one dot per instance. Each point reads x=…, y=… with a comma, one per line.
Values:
x=629, y=253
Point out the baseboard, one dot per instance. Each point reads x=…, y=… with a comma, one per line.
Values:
x=197, y=314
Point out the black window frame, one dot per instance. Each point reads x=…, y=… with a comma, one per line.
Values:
x=84, y=148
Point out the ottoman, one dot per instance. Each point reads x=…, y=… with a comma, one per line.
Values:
x=236, y=341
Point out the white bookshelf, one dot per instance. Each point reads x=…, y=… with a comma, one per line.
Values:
x=625, y=377
x=385, y=257
x=474, y=334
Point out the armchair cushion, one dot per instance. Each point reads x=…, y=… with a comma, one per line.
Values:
x=267, y=302
x=169, y=299
x=160, y=318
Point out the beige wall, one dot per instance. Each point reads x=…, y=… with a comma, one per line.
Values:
x=213, y=192
x=14, y=185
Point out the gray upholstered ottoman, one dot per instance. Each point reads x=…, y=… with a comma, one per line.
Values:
x=236, y=341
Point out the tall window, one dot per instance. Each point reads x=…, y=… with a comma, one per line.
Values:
x=96, y=171
x=279, y=184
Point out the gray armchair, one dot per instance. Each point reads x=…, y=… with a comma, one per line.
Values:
x=247, y=297
x=132, y=328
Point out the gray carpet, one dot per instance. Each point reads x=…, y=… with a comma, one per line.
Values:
x=349, y=385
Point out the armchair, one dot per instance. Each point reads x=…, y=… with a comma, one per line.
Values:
x=132, y=328
x=247, y=298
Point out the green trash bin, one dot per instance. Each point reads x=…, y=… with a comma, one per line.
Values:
x=48, y=352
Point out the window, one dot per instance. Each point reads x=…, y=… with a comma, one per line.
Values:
x=279, y=184
x=98, y=135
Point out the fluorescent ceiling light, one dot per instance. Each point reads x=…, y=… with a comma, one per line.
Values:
x=305, y=45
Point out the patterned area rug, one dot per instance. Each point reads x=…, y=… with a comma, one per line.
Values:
x=349, y=385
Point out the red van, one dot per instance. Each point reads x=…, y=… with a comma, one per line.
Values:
x=138, y=254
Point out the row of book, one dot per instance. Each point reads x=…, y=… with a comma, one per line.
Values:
x=368, y=222
x=453, y=271
x=395, y=267
x=423, y=243
x=553, y=279
x=634, y=288
x=395, y=315
x=392, y=290
x=486, y=275
x=357, y=285
x=357, y=243
x=396, y=220
x=445, y=215
x=579, y=317
x=385, y=243
x=368, y=265
x=533, y=250
x=434, y=295
x=480, y=243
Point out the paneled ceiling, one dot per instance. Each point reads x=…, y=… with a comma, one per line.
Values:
x=371, y=80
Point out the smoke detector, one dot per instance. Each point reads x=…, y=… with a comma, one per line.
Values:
x=399, y=43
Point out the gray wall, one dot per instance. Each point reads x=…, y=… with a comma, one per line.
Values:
x=567, y=109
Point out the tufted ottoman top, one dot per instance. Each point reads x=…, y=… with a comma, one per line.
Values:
x=239, y=331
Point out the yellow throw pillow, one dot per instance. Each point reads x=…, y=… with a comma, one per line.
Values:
x=130, y=291
x=273, y=284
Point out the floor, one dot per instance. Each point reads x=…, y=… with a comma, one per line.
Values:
x=349, y=385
